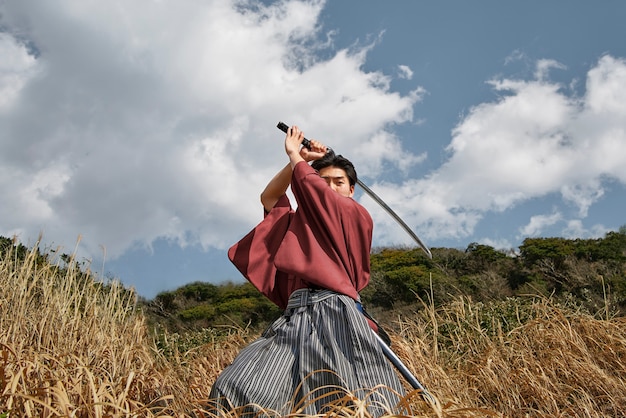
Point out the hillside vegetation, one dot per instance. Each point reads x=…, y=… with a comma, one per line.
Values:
x=587, y=273
x=541, y=334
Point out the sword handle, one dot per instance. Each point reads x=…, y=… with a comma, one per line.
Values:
x=283, y=127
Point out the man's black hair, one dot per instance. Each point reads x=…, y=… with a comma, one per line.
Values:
x=333, y=160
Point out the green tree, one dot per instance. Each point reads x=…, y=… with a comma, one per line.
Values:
x=555, y=250
x=481, y=257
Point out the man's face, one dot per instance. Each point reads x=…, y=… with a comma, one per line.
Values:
x=337, y=180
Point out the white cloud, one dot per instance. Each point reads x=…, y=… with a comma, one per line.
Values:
x=534, y=141
x=16, y=68
x=151, y=120
x=515, y=56
x=544, y=66
x=538, y=223
x=576, y=229
x=405, y=72
x=583, y=195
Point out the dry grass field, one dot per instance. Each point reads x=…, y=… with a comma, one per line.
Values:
x=73, y=347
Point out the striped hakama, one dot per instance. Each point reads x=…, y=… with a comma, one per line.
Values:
x=321, y=349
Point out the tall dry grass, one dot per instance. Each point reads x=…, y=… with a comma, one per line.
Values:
x=70, y=346
x=556, y=362
x=73, y=347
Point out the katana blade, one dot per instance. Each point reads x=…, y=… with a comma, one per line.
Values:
x=395, y=216
x=406, y=373
x=283, y=127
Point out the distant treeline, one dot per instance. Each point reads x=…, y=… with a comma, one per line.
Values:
x=590, y=270
x=589, y=273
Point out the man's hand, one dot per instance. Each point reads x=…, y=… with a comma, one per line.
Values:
x=296, y=153
x=317, y=151
x=293, y=141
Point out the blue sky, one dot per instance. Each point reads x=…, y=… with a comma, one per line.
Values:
x=140, y=134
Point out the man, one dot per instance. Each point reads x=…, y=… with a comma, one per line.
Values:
x=311, y=262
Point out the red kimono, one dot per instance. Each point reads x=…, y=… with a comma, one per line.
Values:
x=324, y=244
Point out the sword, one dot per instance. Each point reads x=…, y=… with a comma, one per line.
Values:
x=399, y=365
x=306, y=143
x=406, y=373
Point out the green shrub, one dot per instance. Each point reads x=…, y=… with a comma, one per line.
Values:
x=198, y=312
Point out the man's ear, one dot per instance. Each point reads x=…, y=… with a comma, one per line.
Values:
x=351, y=190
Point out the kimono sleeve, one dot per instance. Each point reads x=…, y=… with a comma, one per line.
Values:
x=254, y=254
